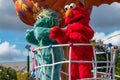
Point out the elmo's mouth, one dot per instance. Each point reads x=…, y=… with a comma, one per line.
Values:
x=75, y=20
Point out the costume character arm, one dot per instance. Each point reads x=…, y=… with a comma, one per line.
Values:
x=80, y=33
x=89, y=33
x=76, y=37
x=30, y=37
x=41, y=32
x=59, y=35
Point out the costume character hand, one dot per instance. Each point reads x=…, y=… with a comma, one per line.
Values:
x=56, y=32
x=30, y=37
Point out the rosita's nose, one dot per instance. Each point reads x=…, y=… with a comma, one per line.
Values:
x=69, y=13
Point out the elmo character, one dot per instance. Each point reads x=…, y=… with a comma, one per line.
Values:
x=78, y=31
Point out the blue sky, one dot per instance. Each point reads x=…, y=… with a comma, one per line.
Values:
x=105, y=20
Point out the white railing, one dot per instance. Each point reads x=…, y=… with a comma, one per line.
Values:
x=107, y=74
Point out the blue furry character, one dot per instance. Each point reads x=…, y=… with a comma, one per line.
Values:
x=39, y=36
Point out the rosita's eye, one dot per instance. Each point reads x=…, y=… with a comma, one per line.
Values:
x=66, y=7
x=72, y=6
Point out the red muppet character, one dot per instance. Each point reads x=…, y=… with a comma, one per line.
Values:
x=78, y=31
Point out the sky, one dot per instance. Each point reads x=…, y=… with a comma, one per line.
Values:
x=105, y=20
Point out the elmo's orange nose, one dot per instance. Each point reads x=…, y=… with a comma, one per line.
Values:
x=68, y=13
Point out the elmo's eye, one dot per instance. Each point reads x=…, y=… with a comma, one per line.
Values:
x=72, y=6
x=66, y=7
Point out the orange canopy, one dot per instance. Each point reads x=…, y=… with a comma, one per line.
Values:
x=27, y=10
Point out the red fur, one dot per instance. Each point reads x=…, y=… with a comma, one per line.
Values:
x=77, y=32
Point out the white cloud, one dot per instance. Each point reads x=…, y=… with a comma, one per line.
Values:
x=0, y=3
x=25, y=53
x=116, y=5
x=113, y=37
x=8, y=52
x=99, y=36
x=8, y=18
x=106, y=17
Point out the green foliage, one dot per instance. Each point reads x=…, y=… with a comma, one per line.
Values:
x=103, y=57
x=7, y=73
x=30, y=78
x=117, y=64
x=10, y=74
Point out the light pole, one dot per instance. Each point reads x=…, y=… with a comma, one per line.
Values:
x=28, y=58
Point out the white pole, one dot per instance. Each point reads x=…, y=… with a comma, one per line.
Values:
x=70, y=55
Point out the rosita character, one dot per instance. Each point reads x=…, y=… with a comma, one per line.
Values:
x=78, y=31
x=39, y=36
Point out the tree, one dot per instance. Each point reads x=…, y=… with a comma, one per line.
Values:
x=103, y=57
x=7, y=73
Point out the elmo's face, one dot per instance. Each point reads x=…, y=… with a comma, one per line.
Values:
x=73, y=13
